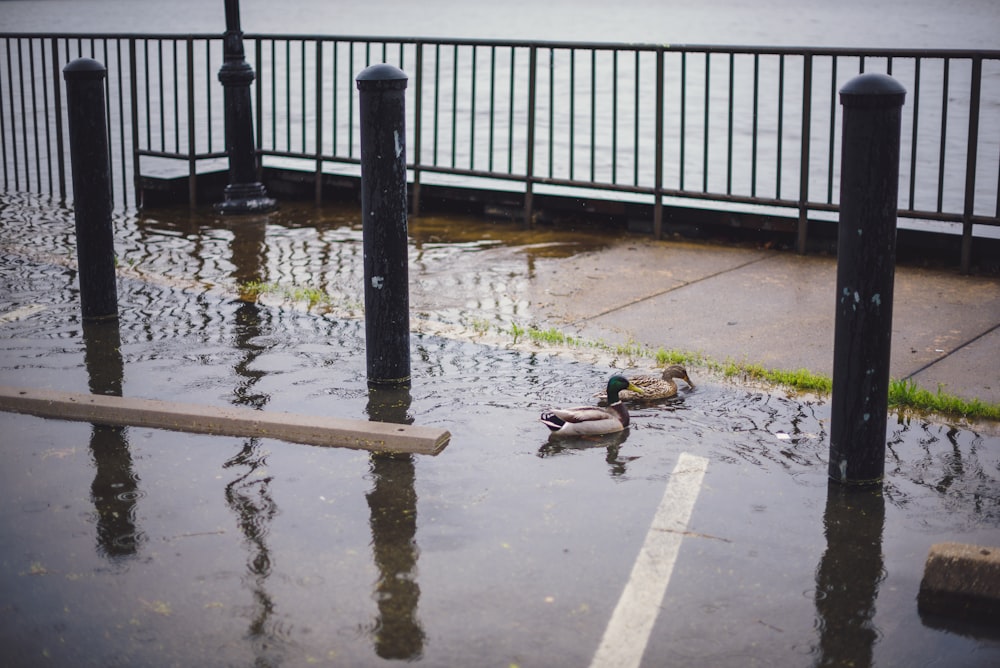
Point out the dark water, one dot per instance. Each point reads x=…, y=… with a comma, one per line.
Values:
x=135, y=546
x=965, y=24
x=968, y=24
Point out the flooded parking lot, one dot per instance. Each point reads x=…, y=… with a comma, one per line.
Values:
x=124, y=546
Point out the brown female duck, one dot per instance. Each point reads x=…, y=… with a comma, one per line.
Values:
x=656, y=388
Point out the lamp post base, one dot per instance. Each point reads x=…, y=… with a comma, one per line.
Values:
x=246, y=198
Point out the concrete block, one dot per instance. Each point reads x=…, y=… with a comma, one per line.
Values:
x=961, y=581
x=226, y=421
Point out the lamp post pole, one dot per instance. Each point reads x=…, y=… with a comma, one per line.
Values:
x=244, y=194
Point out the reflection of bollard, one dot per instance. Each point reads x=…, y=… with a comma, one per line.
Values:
x=866, y=259
x=849, y=575
x=103, y=357
x=91, y=165
x=393, y=521
x=383, y=214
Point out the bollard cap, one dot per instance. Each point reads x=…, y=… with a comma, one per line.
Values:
x=872, y=91
x=382, y=77
x=84, y=68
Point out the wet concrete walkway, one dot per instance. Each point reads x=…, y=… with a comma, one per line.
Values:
x=773, y=308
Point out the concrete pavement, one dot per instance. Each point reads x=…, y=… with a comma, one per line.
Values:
x=775, y=308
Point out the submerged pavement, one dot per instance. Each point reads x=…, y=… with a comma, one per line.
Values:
x=707, y=534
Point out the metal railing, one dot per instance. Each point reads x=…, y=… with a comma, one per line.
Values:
x=163, y=106
x=743, y=128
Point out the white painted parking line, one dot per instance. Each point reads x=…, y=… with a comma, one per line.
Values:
x=20, y=313
x=625, y=639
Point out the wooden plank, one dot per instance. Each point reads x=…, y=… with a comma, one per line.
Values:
x=225, y=421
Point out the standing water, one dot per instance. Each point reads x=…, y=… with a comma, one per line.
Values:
x=137, y=546
x=122, y=546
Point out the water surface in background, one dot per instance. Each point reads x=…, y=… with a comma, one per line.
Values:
x=772, y=171
x=131, y=545
x=964, y=24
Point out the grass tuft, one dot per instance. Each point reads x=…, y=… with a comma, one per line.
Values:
x=903, y=394
x=802, y=379
x=906, y=393
x=251, y=291
x=552, y=336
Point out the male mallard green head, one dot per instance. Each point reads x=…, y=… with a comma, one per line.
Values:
x=618, y=383
x=592, y=420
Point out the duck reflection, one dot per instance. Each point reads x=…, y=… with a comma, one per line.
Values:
x=617, y=464
x=849, y=575
x=397, y=632
x=115, y=488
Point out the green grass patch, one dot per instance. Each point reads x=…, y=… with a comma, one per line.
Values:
x=253, y=290
x=906, y=393
x=903, y=394
x=552, y=336
x=480, y=326
x=668, y=357
x=516, y=331
x=802, y=379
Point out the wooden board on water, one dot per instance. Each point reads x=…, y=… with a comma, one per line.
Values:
x=227, y=421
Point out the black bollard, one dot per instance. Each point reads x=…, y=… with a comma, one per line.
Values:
x=92, y=203
x=383, y=214
x=866, y=262
x=244, y=194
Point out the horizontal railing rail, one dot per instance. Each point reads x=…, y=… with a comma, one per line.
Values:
x=740, y=127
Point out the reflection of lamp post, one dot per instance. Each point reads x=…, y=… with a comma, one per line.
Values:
x=249, y=495
x=244, y=194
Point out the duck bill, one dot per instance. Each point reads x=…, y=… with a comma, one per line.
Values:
x=633, y=388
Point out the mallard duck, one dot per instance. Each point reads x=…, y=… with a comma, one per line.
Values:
x=656, y=388
x=593, y=420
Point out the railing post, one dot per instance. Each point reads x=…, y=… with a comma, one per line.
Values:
x=382, y=104
x=658, y=151
x=192, y=146
x=803, y=226
x=57, y=103
x=418, y=106
x=90, y=163
x=866, y=258
x=134, y=120
x=529, y=169
x=244, y=194
x=319, y=122
x=969, y=207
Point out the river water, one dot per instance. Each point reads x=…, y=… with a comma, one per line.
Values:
x=966, y=24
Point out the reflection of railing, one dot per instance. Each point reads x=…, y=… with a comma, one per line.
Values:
x=737, y=127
